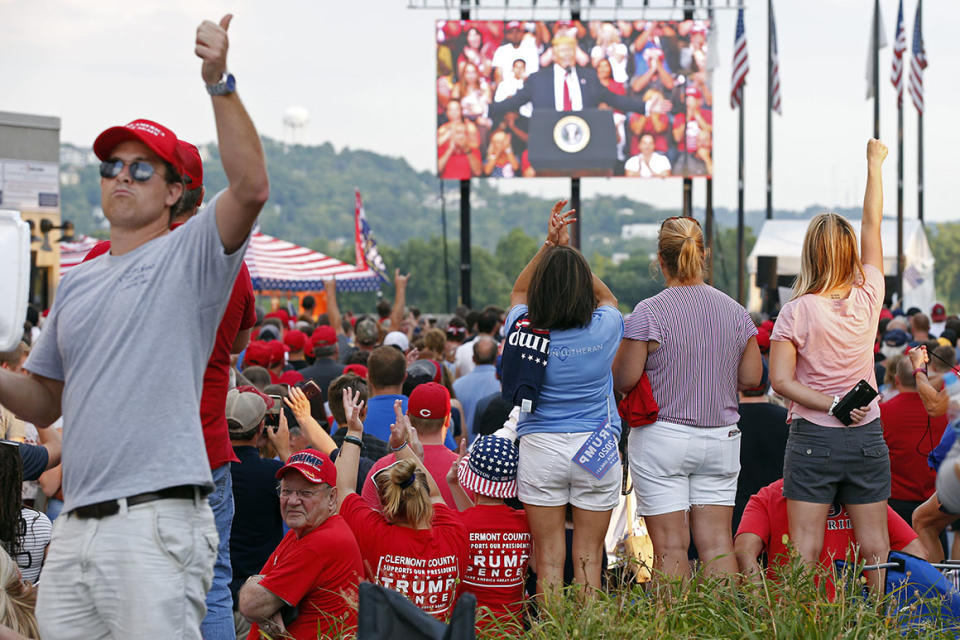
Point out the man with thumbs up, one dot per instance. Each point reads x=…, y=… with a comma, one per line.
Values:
x=133, y=554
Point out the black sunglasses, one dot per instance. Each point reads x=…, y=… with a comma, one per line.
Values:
x=140, y=170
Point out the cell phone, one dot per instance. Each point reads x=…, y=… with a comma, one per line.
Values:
x=273, y=414
x=861, y=395
x=310, y=388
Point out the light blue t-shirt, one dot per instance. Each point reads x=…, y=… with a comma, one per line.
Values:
x=380, y=416
x=577, y=391
x=130, y=337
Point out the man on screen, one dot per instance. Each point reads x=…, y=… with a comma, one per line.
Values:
x=563, y=86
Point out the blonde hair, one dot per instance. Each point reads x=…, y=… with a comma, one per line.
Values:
x=18, y=599
x=408, y=504
x=830, y=258
x=680, y=247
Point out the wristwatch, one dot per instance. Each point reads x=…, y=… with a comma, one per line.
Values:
x=227, y=85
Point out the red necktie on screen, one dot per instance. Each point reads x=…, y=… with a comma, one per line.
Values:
x=567, y=103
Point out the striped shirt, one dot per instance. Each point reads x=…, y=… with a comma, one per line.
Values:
x=702, y=334
x=33, y=543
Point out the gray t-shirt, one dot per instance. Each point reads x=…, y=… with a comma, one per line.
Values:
x=130, y=337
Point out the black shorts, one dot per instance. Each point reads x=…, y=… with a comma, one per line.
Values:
x=849, y=465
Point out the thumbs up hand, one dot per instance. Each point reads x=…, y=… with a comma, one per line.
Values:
x=211, y=47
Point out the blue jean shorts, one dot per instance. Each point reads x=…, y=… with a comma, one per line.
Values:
x=849, y=465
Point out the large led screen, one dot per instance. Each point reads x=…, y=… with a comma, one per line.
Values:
x=531, y=98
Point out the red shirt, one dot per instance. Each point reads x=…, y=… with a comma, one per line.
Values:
x=437, y=458
x=659, y=138
x=425, y=565
x=458, y=165
x=500, y=548
x=766, y=516
x=318, y=574
x=239, y=314
x=905, y=424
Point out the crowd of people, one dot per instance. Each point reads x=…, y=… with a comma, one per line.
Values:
x=493, y=75
x=290, y=455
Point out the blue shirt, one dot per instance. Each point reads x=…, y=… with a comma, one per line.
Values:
x=380, y=416
x=577, y=391
x=473, y=387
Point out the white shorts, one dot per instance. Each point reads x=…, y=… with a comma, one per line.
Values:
x=547, y=476
x=674, y=466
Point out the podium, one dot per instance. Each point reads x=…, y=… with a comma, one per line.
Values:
x=573, y=143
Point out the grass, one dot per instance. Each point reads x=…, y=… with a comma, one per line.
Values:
x=794, y=606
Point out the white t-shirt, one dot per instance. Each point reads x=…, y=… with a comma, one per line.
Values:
x=658, y=164
x=463, y=360
x=507, y=89
x=506, y=54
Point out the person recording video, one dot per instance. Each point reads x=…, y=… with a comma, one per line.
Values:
x=821, y=346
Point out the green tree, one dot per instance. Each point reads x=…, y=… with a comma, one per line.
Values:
x=945, y=244
x=514, y=251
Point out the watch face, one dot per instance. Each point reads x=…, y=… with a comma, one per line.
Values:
x=231, y=83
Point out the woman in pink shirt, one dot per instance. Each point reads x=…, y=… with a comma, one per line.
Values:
x=821, y=346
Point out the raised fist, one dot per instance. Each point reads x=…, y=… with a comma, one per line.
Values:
x=876, y=151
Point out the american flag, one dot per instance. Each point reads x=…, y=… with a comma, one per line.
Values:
x=899, y=46
x=367, y=253
x=917, y=63
x=741, y=65
x=774, y=66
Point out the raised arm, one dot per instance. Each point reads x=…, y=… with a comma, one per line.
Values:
x=406, y=445
x=557, y=234
x=333, y=309
x=33, y=398
x=399, y=300
x=453, y=480
x=935, y=401
x=316, y=434
x=240, y=150
x=871, y=249
x=349, y=458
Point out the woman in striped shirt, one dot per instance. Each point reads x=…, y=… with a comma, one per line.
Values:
x=697, y=346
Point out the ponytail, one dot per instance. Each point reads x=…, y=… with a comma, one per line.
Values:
x=18, y=600
x=680, y=247
x=404, y=494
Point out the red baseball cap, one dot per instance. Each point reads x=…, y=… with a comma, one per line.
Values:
x=324, y=336
x=295, y=339
x=938, y=313
x=763, y=339
x=290, y=378
x=429, y=400
x=358, y=369
x=257, y=354
x=158, y=138
x=277, y=351
x=514, y=24
x=313, y=465
x=192, y=165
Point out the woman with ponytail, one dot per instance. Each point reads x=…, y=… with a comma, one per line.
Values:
x=697, y=346
x=415, y=544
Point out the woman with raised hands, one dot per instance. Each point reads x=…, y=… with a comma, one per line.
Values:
x=558, y=293
x=415, y=544
x=820, y=349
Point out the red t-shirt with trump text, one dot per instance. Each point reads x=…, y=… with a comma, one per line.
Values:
x=425, y=565
x=318, y=574
x=766, y=516
x=500, y=548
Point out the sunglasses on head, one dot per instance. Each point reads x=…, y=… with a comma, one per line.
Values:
x=140, y=170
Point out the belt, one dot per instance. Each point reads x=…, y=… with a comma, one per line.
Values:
x=112, y=507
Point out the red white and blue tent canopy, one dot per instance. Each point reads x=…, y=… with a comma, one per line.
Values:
x=274, y=265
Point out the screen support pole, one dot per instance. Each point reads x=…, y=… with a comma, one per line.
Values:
x=575, y=228
x=688, y=182
x=465, y=263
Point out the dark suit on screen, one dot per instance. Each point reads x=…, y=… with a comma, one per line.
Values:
x=538, y=89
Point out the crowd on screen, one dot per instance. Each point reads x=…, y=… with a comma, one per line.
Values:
x=662, y=64
x=229, y=471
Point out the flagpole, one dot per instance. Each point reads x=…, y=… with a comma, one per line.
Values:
x=741, y=284
x=769, y=110
x=920, y=166
x=900, y=197
x=876, y=69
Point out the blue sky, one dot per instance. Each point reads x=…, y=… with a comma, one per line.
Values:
x=365, y=71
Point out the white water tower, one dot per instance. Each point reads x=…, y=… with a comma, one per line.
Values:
x=295, y=120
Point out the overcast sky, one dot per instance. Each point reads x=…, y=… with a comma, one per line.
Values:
x=365, y=71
